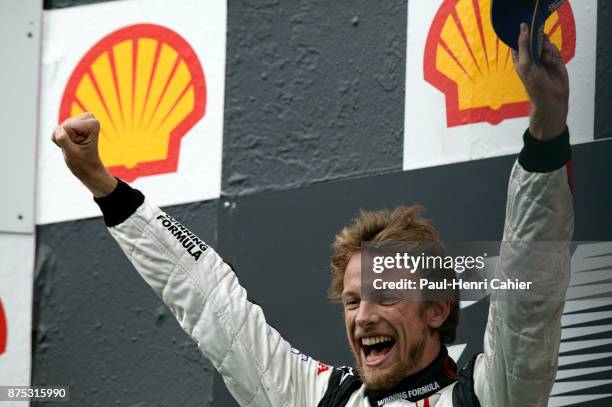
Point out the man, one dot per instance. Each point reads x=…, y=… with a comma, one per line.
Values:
x=399, y=346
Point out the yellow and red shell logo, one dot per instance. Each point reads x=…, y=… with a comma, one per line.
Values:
x=3, y=330
x=146, y=86
x=466, y=61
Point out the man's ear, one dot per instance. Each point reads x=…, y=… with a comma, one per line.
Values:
x=437, y=312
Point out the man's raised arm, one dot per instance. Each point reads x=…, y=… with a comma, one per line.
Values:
x=523, y=330
x=259, y=367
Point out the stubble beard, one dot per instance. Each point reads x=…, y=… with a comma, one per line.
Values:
x=386, y=379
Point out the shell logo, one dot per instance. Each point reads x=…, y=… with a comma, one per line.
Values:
x=145, y=84
x=466, y=61
x=3, y=330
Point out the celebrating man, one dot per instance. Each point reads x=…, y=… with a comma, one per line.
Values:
x=399, y=346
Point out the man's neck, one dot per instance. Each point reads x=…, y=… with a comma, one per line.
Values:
x=430, y=353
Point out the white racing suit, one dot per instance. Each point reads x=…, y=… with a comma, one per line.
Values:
x=260, y=368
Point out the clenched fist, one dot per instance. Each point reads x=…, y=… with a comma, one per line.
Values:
x=78, y=139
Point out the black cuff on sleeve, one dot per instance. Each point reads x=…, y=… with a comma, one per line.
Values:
x=119, y=204
x=545, y=156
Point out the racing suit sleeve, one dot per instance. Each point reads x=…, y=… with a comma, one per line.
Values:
x=521, y=343
x=258, y=366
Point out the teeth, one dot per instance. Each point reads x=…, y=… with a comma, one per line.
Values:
x=374, y=340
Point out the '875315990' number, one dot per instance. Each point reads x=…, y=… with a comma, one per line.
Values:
x=19, y=393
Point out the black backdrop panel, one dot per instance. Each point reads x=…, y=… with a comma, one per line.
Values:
x=603, y=81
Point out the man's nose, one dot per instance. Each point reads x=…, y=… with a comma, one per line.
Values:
x=366, y=315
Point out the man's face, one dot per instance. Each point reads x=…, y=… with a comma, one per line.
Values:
x=388, y=339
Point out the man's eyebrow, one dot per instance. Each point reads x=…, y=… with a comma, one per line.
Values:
x=348, y=293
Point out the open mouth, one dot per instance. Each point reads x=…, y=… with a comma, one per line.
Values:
x=374, y=349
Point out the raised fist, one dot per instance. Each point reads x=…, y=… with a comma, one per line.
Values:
x=78, y=139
